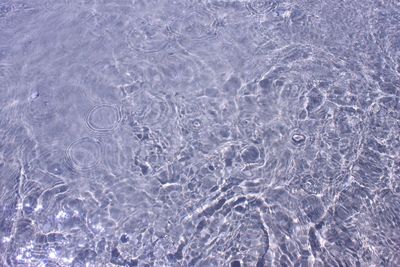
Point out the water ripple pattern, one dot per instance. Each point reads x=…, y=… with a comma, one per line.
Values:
x=103, y=118
x=84, y=153
x=199, y=133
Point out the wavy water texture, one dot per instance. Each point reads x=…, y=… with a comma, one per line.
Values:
x=199, y=133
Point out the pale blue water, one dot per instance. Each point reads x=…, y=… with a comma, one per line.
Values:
x=199, y=133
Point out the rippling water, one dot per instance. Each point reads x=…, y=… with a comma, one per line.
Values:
x=199, y=133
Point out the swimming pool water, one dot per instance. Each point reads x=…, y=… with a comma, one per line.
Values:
x=199, y=133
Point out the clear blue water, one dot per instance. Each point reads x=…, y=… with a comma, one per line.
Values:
x=199, y=133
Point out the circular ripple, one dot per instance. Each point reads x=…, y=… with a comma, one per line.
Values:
x=84, y=153
x=298, y=139
x=196, y=125
x=301, y=137
x=103, y=118
x=148, y=35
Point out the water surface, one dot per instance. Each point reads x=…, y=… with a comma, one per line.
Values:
x=199, y=133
